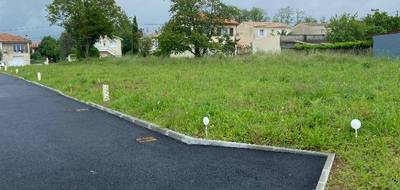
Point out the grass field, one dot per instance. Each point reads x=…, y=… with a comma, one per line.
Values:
x=289, y=100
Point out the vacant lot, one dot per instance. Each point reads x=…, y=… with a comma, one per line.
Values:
x=290, y=100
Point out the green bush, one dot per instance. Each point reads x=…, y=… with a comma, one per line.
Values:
x=339, y=45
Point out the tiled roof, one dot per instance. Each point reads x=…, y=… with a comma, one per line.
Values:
x=311, y=24
x=226, y=21
x=231, y=22
x=266, y=24
x=11, y=38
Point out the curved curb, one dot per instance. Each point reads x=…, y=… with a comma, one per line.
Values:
x=323, y=180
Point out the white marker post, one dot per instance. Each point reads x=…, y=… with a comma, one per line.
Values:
x=39, y=76
x=106, y=93
x=16, y=71
x=5, y=68
x=206, y=121
x=356, y=125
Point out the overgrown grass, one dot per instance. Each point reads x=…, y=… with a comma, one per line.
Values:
x=289, y=100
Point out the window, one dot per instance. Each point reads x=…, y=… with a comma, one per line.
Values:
x=113, y=44
x=261, y=33
x=224, y=31
x=221, y=31
x=19, y=48
x=231, y=31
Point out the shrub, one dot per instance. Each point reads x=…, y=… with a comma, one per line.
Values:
x=339, y=45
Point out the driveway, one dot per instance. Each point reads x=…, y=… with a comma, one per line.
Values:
x=51, y=142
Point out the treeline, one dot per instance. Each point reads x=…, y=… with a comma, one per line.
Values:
x=351, y=32
x=67, y=44
x=191, y=28
x=347, y=27
x=84, y=23
x=287, y=15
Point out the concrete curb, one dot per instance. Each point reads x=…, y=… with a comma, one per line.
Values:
x=323, y=180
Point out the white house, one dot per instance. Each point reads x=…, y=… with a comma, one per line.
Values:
x=15, y=50
x=109, y=47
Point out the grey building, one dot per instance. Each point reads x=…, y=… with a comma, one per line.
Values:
x=387, y=45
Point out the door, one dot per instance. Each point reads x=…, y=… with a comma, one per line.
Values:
x=17, y=61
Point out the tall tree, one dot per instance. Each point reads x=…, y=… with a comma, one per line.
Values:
x=67, y=44
x=124, y=31
x=49, y=48
x=135, y=37
x=285, y=15
x=253, y=14
x=300, y=16
x=192, y=26
x=346, y=27
x=85, y=20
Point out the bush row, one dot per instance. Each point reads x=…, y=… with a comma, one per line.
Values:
x=339, y=45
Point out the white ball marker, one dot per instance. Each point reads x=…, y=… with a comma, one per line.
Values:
x=206, y=121
x=356, y=125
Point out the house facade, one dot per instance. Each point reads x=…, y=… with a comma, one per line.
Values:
x=15, y=50
x=109, y=47
x=309, y=29
x=314, y=33
x=260, y=36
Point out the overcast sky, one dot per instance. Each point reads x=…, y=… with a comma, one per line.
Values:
x=28, y=17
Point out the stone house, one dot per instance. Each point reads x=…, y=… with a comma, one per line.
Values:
x=309, y=29
x=260, y=36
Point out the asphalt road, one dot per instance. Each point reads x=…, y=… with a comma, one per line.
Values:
x=45, y=143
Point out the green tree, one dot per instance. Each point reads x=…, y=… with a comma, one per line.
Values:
x=125, y=31
x=229, y=45
x=253, y=14
x=145, y=46
x=67, y=45
x=345, y=28
x=192, y=26
x=49, y=48
x=135, y=36
x=86, y=20
x=381, y=22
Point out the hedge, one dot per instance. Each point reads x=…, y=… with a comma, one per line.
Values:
x=339, y=45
